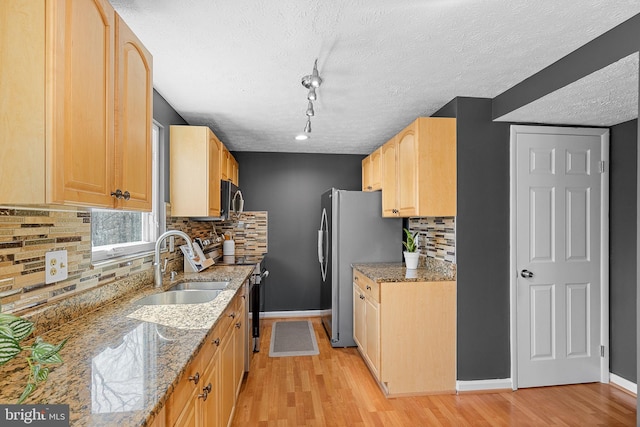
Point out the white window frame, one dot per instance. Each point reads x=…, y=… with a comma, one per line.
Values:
x=153, y=222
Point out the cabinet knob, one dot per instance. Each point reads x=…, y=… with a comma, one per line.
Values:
x=361, y=296
x=126, y=195
x=238, y=325
x=117, y=194
x=195, y=378
x=368, y=287
x=232, y=315
x=205, y=392
x=216, y=341
x=355, y=278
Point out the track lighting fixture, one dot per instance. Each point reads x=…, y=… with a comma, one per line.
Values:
x=311, y=82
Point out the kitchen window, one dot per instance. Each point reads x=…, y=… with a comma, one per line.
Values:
x=116, y=233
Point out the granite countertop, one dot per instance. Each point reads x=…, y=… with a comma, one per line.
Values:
x=123, y=360
x=397, y=272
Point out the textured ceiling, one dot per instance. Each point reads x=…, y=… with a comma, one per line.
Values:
x=603, y=98
x=236, y=65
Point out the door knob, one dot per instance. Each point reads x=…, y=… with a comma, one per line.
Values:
x=526, y=274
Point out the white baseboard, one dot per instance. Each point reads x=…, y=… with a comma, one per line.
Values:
x=280, y=314
x=625, y=384
x=484, y=385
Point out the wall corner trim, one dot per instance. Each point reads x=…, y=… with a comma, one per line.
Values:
x=484, y=385
x=622, y=383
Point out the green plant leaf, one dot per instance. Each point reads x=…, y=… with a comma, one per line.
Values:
x=6, y=331
x=9, y=348
x=27, y=391
x=40, y=374
x=47, y=353
x=5, y=318
x=21, y=328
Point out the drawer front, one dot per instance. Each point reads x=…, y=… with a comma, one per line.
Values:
x=368, y=286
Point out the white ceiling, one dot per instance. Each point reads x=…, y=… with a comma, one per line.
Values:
x=236, y=65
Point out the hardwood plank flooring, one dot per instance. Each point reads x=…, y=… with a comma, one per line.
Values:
x=335, y=388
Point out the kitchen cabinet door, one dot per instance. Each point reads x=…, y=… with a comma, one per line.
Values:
x=359, y=321
x=227, y=382
x=58, y=137
x=134, y=102
x=407, y=158
x=214, y=174
x=225, y=158
x=371, y=171
x=209, y=407
x=194, y=169
x=82, y=102
x=239, y=340
x=372, y=339
x=235, y=172
x=389, y=179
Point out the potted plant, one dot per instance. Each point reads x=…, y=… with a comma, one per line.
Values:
x=411, y=255
x=13, y=330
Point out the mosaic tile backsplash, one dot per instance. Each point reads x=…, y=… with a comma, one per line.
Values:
x=26, y=234
x=437, y=237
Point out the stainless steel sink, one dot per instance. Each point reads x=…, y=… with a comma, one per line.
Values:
x=179, y=297
x=206, y=286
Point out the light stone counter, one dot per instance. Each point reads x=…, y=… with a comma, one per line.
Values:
x=397, y=272
x=123, y=360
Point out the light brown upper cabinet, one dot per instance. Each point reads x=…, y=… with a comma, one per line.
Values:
x=66, y=136
x=134, y=115
x=194, y=171
x=228, y=166
x=425, y=170
x=389, y=179
x=371, y=171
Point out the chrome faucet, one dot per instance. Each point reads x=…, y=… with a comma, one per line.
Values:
x=158, y=268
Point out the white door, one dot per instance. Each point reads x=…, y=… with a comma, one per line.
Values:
x=559, y=251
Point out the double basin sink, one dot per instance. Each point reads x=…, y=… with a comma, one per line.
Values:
x=186, y=293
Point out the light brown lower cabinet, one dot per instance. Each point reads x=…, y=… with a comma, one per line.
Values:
x=207, y=393
x=406, y=334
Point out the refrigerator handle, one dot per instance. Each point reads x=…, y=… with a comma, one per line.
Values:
x=322, y=235
x=320, y=257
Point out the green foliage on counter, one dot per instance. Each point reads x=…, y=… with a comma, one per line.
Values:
x=13, y=330
x=412, y=243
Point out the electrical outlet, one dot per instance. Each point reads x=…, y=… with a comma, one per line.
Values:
x=55, y=267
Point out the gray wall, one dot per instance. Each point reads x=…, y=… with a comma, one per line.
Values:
x=482, y=240
x=165, y=116
x=289, y=186
x=483, y=223
x=622, y=242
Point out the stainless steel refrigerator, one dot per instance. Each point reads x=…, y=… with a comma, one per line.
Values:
x=352, y=230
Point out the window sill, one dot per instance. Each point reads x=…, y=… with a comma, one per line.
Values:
x=120, y=259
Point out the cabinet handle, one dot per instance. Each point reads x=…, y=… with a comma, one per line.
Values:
x=117, y=194
x=126, y=195
x=238, y=325
x=195, y=378
x=368, y=287
x=205, y=392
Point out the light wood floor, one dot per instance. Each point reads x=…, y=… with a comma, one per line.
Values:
x=335, y=388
